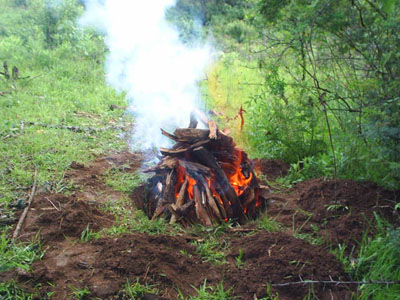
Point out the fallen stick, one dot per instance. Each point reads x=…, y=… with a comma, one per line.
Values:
x=25, y=212
x=75, y=128
x=304, y=282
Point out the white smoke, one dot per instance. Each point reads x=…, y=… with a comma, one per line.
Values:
x=148, y=61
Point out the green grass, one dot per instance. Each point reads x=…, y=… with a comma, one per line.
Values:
x=17, y=255
x=137, y=290
x=212, y=249
x=88, y=235
x=379, y=260
x=11, y=291
x=122, y=181
x=206, y=292
x=211, y=246
x=231, y=83
x=66, y=86
x=138, y=222
x=79, y=293
x=267, y=223
x=61, y=83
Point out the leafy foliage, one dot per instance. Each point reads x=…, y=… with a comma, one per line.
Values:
x=323, y=89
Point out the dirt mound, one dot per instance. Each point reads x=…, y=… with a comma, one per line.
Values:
x=345, y=208
x=55, y=217
x=279, y=258
x=172, y=265
x=271, y=168
x=105, y=265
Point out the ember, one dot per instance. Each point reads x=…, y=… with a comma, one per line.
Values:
x=203, y=179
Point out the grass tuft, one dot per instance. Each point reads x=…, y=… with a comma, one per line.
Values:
x=17, y=255
x=379, y=259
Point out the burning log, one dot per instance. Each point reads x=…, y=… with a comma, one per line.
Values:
x=203, y=179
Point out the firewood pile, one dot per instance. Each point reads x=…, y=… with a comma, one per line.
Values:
x=204, y=178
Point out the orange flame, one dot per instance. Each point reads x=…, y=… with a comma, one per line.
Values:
x=238, y=181
x=180, y=179
x=233, y=171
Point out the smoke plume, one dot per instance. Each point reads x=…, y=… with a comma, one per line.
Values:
x=148, y=61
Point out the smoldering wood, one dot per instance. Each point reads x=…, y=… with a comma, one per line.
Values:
x=200, y=210
x=181, y=151
x=179, y=201
x=247, y=197
x=167, y=196
x=208, y=160
x=191, y=135
x=211, y=200
x=166, y=164
x=182, y=192
x=195, y=169
x=184, y=210
x=226, y=204
x=202, y=116
x=169, y=135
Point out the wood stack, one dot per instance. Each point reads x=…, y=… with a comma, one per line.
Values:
x=203, y=179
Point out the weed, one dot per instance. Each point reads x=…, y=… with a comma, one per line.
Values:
x=239, y=259
x=206, y=292
x=265, y=222
x=337, y=207
x=346, y=259
x=79, y=294
x=313, y=238
x=270, y=294
x=185, y=253
x=17, y=256
x=10, y=291
x=211, y=250
x=137, y=290
x=87, y=234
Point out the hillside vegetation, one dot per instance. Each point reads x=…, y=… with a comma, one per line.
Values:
x=318, y=80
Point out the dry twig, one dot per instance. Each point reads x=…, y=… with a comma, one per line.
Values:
x=25, y=212
x=336, y=282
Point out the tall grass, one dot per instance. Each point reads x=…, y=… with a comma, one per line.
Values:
x=379, y=260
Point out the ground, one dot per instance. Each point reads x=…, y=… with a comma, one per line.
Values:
x=90, y=243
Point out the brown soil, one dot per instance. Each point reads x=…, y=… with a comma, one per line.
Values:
x=345, y=208
x=57, y=217
x=271, y=168
x=171, y=262
x=105, y=265
x=339, y=211
x=279, y=258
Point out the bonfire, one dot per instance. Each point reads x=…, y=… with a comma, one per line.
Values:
x=204, y=178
